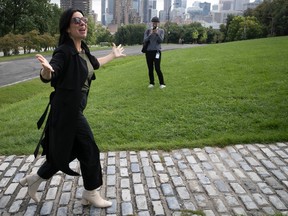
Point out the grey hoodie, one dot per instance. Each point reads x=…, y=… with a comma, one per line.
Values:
x=155, y=39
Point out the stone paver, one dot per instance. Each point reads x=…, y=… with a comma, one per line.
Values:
x=236, y=180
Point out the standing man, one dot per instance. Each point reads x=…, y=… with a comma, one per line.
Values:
x=154, y=37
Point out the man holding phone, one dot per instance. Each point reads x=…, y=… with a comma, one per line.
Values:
x=155, y=36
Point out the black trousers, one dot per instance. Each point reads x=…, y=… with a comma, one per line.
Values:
x=151, y=62
x=85, y=150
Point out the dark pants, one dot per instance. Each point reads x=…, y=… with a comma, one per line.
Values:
x=85, y=150
x=151, y=62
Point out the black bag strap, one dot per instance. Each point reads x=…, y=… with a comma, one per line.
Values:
x=40, y=123
x=42, y=118
x=39, y=143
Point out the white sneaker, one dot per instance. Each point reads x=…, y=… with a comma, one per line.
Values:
x=162, y=86
x=150, y=86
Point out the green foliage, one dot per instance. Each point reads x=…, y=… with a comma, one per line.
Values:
x=46, y=41
x=172, y=33
x=31, y=24
x=53, y=21
x=22, y=16
x=242, y=28
x=130, y=34
x=102, y=34
x=203, y=36
x=91, y=34
x=195, y=35
x=214, y=35
x=191, y=33
x=31, y=40
x=267, y=19
x=273, y=16
x=233, y=29
x=135, y=34
x=220, y=94
x=10, y=42
x=251, y=27
x=121, y=36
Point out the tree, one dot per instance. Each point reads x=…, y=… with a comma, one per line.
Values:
x=273, y=16
x=195, y=35
x=46, y=41
x=252, y=28
x=172, y=32
x=91, y=35
x=102, y=34
x=130, y=34
x=264, y=14
x=203, y=36
x=11, y=42
x=121, y=36
x=21, y=16
x=32, y=41
x=248, y=12
x=242, y=28
x=214, y=35
x=279, y=19
x=54, y=16
x=233, y=32
x=135, y=33
x=225, y=30
x=4, y=26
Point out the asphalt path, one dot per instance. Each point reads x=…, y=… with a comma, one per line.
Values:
x=15, y=71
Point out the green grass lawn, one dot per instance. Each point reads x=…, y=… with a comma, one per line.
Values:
x=216, y=95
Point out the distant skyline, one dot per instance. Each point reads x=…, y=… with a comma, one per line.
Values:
x=96, y=4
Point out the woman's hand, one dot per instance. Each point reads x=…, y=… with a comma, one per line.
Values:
x=118, y=51
x=47, y=68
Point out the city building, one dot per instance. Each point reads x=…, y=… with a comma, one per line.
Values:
x=252, y=5
x=83, y=5
x=120, y=12
x=115, y=13
x=165, y=14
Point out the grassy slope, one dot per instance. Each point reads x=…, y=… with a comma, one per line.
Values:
x=216, y=95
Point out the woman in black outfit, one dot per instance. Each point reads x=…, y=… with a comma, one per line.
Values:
x=67, y=134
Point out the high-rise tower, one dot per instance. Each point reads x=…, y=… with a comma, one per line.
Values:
x=103, y=12
x=83, y=5
x=167, y=8
x=122, y=10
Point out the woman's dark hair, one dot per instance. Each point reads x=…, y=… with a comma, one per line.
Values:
x=65, y=23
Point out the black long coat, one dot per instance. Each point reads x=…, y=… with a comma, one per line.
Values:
x=70, y=73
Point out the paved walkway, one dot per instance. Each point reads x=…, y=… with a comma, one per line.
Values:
x=236, y=180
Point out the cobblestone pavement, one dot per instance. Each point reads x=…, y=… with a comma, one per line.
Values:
x=236, y=180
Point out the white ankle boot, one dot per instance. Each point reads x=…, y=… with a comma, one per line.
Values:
x=93, y=197
x=33, y=182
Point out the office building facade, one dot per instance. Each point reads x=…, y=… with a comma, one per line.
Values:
x=83, y=5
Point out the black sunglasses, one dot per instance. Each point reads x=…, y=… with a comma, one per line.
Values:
x=77, y=20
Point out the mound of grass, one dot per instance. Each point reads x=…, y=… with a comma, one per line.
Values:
x=217, y=94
